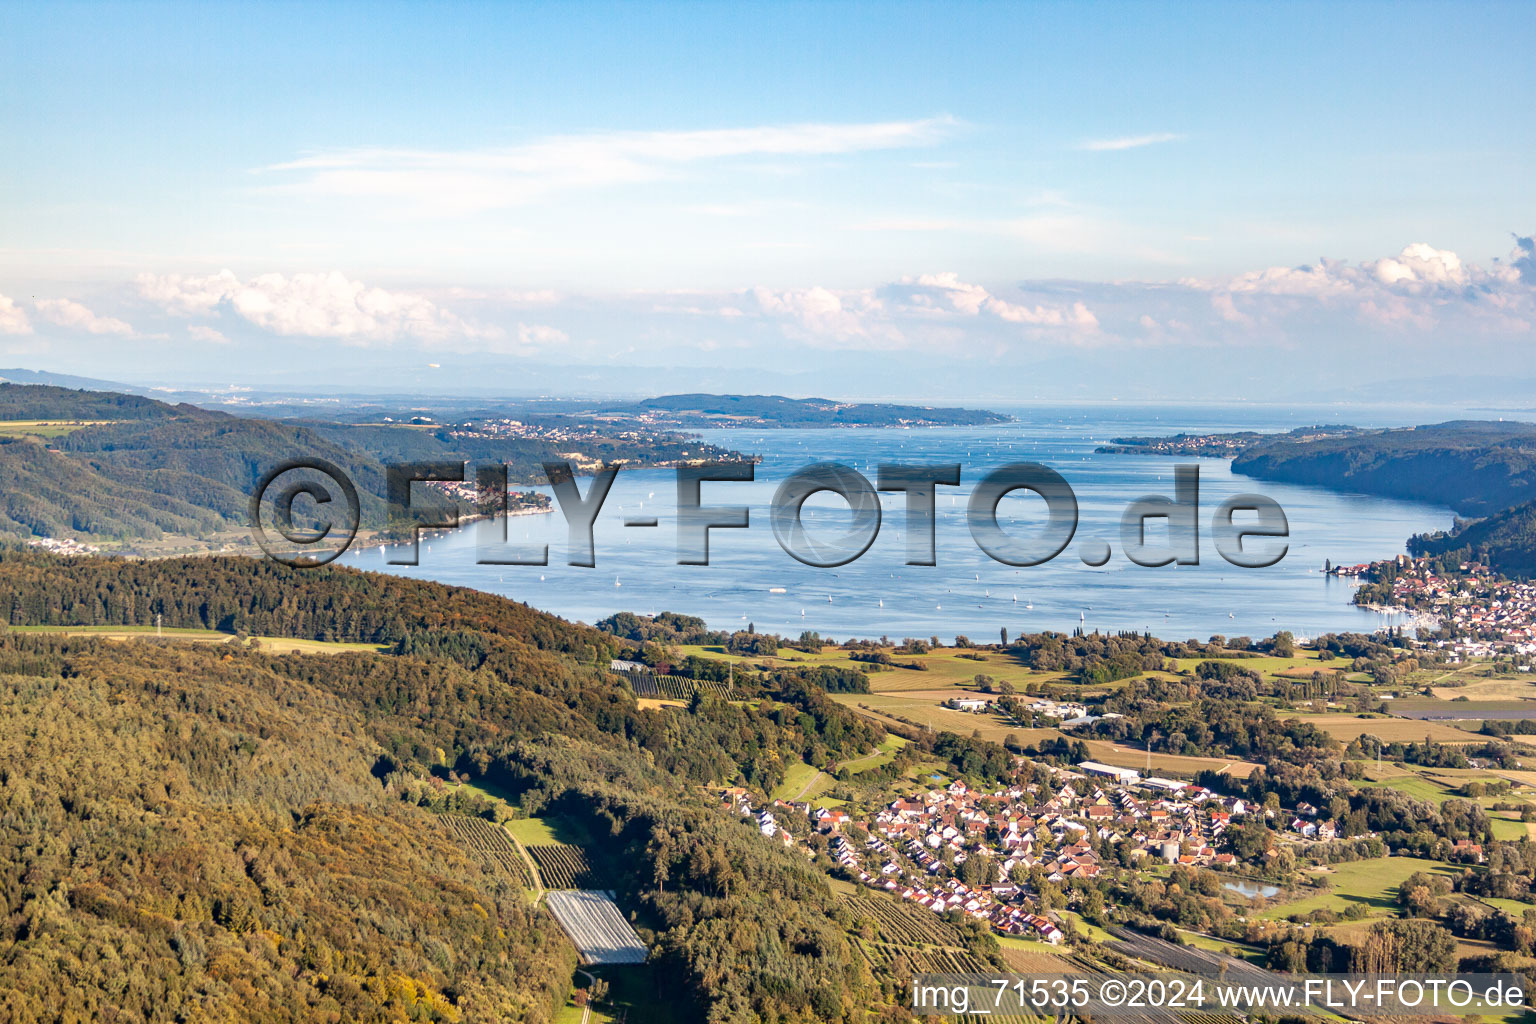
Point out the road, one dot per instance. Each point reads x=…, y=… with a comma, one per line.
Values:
x=586, y=1011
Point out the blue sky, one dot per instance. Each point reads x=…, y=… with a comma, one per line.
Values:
x=187, y=189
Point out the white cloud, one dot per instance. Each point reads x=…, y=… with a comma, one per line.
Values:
x=540, y=335
x=1421, y=287
x=974, y=300
x=72, y=315
x=1130, y=142
x=323, y=305
x=13, y=319
x=470, y=180
x=208, y=334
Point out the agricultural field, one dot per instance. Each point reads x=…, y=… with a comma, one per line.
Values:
x=1190, y=959
x=1166, y=764
x=944, y=668
x=597, y=927
x=649, y=686
x=561, y=865
x=1345, y=727
x=491, y=843
x=1481, y=683
x=897, y=922
x=924, y=959
x=1371, y=883
x=1025, y=957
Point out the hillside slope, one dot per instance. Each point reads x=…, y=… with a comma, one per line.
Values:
x=1505, y=540
x=1474, y=466
x=212, y=832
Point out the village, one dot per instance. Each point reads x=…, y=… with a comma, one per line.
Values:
x=916, y=846
x=1485, y=615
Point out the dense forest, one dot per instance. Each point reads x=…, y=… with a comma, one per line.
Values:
x=1477, y=467
x=1506, y=541
x=211, y=831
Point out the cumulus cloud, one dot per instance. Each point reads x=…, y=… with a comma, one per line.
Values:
x=947, y=293
x=1420, y=287
x=200, y=332
x=70, y=314
x=13, y=319
x=926, y=311
x=323, y=305
x=470, y=180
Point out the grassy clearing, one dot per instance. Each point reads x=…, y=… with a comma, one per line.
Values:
x=1371, y=883
x=270, y=644
x=546, y=832
x=796, y=778
x=883, y=755
x=1093, y=931
x=1302, y=661
x=1507, y=827
x=1416, y=786
x=43, y=428
x=926, y=711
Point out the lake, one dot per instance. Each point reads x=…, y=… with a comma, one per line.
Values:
x=751, y=580
x=1252, y=890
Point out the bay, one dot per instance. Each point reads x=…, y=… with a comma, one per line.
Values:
x=752, y=581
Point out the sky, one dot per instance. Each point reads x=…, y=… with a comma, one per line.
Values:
x=1033, y=200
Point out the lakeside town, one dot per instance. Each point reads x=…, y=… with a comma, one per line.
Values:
x=1479, y=614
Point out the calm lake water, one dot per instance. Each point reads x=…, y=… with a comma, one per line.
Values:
x=752, y=580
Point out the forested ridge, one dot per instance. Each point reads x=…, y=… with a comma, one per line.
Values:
x=1505, y=540
x=1477, y=467
x=128, y=468
x=214, y=832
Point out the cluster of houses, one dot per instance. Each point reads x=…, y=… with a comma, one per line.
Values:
x=63, y=546
x=1068, y=713
x=1304, y=826
x=1053, y=831
x=1487, y=615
